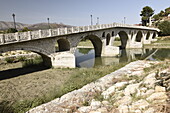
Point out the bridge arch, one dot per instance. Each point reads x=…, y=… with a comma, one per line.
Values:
x=112, y=33
x=139, y=36
x=97, y=43
x=43, y=53
x=103, y=34
x=123, y=38
x=148, y=35
x=62, y=45
x=108, y=39
x=154, y=35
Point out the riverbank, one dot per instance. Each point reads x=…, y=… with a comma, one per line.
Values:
x=133, y=88
x=25, y=88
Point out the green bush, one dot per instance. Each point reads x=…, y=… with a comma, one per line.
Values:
x=11, y=30
x=22, y=58
x=165, y=28
x=32, y=62
x=10, y=60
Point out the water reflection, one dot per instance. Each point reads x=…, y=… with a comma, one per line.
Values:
x=85, y=57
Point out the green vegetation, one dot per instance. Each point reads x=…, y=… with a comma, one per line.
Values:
x=146, y=13
x=164, y=27
x=11, y=30
x=31, y=62
x=25, y=29
x=10, y=59
x=85, y=50
x=162, y=14
x=86, y=43
x=75, y=80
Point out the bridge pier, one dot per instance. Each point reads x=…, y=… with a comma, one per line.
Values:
x=63, y=60
x=110, y=51
x=135, y=45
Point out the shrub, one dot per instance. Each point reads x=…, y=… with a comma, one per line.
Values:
x=32, y=62
x=164, y=27
x=11, y=30
x=10, y=59
x=22, y=58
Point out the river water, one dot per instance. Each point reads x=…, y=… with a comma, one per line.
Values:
x=85, y=57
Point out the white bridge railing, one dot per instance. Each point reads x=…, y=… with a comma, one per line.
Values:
x=31, y=35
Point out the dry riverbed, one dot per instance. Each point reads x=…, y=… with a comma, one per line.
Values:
x=139, y=87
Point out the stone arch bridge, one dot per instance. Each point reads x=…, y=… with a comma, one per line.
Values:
x=102, y=37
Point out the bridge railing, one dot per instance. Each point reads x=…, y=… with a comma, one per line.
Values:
x=31, y=35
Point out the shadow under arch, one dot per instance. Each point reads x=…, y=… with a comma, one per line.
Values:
x=62, y=45
x=139, y=36
x=123, y=38
x=148, y=35
x=108, y=39
x=97, y=43
x=44, y=54
x=19, y=71
x=154, y=35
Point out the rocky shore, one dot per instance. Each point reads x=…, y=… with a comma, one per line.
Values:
x=135, y=88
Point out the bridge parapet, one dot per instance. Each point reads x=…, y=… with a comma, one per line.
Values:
x=31, y=35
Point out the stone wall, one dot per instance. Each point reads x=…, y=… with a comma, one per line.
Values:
x=125, y=90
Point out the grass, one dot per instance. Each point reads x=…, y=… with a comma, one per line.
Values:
x=89, y=44
x=161, y=43
x=86, y=43
x=30, y=90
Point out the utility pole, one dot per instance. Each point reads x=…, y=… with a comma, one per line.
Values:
x=14, y=21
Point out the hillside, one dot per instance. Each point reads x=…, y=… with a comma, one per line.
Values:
x=6, y=25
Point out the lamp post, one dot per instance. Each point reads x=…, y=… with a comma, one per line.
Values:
x=97, y=20
x=14, y=21
x=48, y=19
x=124, y=20
x=91, y=19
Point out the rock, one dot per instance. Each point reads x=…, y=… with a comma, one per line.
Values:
x=150, y=110
x=131, y=89
x=105, y=102
x=106, y=94
x=120, y=84
x=95, y=104
x=160, y=89
x=157, y=96
x=124, y=100
x=141, y=104
x=150, y=80
x=94, y=112
x=102, y=110
x=85, y=109
x=148, y=92
x=123, y=109
x=138, y=111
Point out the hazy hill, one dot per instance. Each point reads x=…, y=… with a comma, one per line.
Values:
x=6, y=25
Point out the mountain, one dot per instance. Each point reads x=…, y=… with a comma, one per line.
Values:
x=6, y=25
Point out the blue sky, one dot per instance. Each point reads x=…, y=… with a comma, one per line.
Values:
x=77, y=12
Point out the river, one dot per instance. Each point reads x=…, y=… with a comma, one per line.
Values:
x=85, y=57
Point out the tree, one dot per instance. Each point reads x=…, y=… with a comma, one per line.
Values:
x=11, y=30
x=146, y=13
x=167, y=11
x=162, y=13
x=25, y=29
x=156, y=17
x=164, y=27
